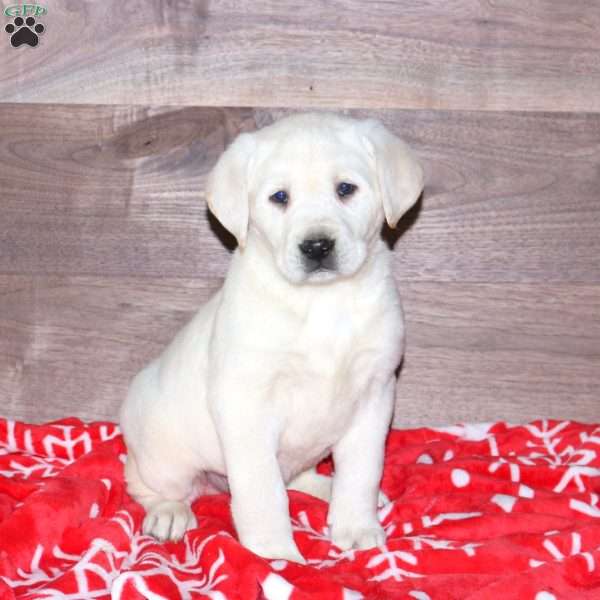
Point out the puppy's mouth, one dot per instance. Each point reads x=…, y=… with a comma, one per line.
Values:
x=321, y=271
x=328, y=264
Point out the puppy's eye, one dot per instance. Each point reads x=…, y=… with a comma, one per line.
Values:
x=280, y=197
x=345, y=189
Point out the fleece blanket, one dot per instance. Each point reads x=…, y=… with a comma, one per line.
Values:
x=480, y=511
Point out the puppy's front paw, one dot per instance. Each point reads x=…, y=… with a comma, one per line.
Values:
x=169, y=520
x=357, y=535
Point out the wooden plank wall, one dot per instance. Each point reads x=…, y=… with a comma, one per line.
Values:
x=109, y=128
x=447, y=54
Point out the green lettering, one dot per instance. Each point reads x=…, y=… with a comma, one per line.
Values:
x=14, y=10
x=33, y=9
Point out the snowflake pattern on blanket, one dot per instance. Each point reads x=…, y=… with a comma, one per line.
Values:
x=476, y=512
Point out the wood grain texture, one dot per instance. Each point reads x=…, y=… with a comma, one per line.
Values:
x=461, y=54
x=476, y=352
x=70, y=345
x=485, y=352
x=119, y=191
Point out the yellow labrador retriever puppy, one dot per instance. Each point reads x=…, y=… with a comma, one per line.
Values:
x=294, y=357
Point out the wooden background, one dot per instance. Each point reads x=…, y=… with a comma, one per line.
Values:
x=109, y=127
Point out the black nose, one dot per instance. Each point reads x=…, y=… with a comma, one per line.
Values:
x=317, y=249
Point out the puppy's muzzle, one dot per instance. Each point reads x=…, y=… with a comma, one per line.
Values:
x=318, y=253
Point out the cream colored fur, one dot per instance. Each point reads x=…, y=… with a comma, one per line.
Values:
x=283, y=366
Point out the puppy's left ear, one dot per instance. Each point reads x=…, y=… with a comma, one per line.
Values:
x=399, y=175
x=227, y=191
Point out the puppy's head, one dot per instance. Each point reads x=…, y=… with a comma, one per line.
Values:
x=316, y=188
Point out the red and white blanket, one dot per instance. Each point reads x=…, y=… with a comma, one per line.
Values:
x=477, y=512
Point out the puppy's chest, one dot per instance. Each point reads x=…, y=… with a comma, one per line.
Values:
x=319, y=386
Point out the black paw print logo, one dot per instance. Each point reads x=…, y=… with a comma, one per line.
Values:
x=24, y=31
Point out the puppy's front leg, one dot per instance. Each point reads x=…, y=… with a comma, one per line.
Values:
x=358, y=459
x=259, y=501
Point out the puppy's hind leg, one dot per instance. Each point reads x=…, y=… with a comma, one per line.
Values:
x=313, y=483
x=167, y=518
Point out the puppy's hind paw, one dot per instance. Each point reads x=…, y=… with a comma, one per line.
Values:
x=168, y=520
x=359, y=537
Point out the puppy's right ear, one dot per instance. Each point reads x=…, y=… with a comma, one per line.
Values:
x=227, y=192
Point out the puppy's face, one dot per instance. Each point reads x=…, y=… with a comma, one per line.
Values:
x=316, y=189
x=313, y=199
